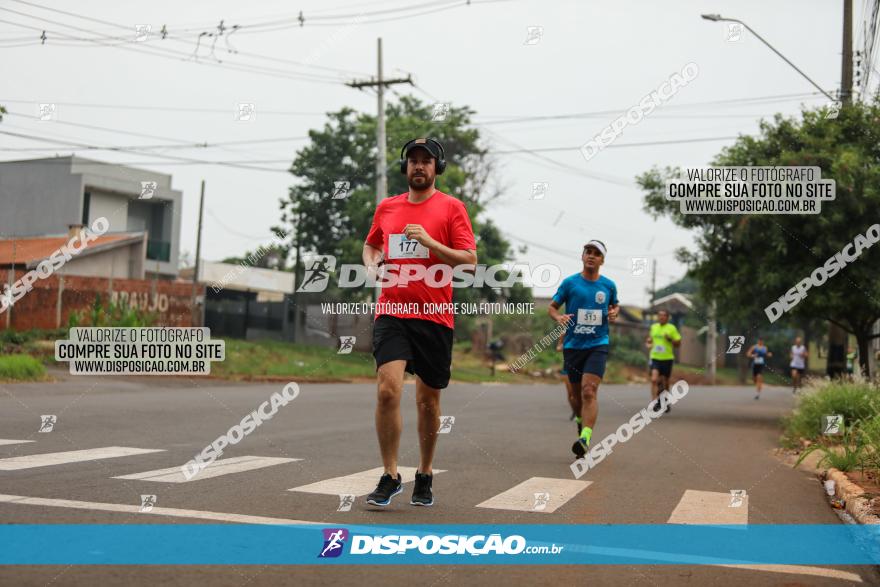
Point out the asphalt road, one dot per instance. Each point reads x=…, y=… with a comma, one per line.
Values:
x=715, y=440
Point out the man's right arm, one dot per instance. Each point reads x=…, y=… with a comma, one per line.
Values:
x=372, y=257
x=372, y=254
x=558, y=316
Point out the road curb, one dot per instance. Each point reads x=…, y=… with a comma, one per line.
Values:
x=852, y=494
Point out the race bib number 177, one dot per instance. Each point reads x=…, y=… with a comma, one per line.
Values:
x=400, y=247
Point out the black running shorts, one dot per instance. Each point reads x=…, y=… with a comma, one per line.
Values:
x=663, y=366
x=580, y=361
x=426, y=347
x=757, y=370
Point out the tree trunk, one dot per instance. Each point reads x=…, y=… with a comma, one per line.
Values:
x=836, y=350
x=864, y=345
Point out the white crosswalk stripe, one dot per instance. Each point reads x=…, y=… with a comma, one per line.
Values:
x=71, y=456
x=710, y=507
x=5, y=441
x=155, y=511
x=358, y=483
x=216, y=469
x=538, y=494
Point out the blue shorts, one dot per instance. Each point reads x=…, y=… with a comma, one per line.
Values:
x=579, y=361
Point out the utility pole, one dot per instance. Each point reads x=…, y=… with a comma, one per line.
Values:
x=653, y=280
x=380, y=83
x=846, y=70
x=297, y=278
x=381, y=142
x=711, y=344
x=381, y=148
x=837, y=336
x=195, y=279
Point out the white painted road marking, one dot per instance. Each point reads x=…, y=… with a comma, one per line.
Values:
x=215, y=469
x=800, y=570
x=709, y=507
x=522, y=497
x=357, y=484
x=136, y=509
x=5, y=441
x=71, y=456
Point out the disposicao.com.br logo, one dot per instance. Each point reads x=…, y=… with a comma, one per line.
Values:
x=449, y=544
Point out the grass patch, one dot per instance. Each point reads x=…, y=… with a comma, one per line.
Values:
x=281, y=359
x=855, y=401
x=21, y=368
x=250, y=359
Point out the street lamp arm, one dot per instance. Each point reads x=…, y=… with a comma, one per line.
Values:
x=716, y=18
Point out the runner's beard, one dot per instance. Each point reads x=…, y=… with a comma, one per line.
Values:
x=419, y=182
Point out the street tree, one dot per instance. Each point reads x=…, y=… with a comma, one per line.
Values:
x=746, y=262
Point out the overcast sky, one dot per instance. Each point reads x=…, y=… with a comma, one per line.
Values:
x=591, y=57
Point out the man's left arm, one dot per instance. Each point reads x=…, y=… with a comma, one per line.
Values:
x=448, y=255
x=676, y=337
x=464, y=247
x=613, y=305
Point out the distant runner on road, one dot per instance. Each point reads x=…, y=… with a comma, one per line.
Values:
x=591, y=303
x=759, y=353
x=661, y=339
x=798, y=364
x=422, y=226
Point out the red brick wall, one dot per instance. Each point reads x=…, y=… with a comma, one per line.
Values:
x=170, y=301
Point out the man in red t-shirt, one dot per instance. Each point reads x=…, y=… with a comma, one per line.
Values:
x=414, y=319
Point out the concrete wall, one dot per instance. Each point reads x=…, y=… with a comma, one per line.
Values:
x=118, y=182
x=118, y=263
x=692, y=351
x=113, y=207
x=39, y=197
x=43, y=196
x=52, y=301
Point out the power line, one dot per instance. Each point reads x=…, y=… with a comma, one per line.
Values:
x=362, y=18
x=137, y=152
x=618, y=145
x=178, y=143
x=599, y=113
x=532, y=153
x=177, y=56
x=185, y=146
x=569, y=253
x=166, y=35
x=166, y=108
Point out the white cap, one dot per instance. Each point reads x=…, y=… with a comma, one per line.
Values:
x=596, y=244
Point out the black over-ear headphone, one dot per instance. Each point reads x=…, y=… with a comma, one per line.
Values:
x=440, y=163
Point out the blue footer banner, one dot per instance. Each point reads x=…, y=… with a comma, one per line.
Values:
x=520, y=544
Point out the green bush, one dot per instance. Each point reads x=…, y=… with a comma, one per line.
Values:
x=846, y=457
x=21, y=368
x=855, y=401
x=14, y=337
x=870, y=432
x=118, y=314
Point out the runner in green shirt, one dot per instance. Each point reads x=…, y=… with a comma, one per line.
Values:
x=661, y=339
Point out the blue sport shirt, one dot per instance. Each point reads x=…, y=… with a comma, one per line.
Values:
x=588, y=301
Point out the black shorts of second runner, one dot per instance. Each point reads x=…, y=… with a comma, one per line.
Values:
x=425, y=346
x=576, y=362
x=757, y=370
x=663, y=366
